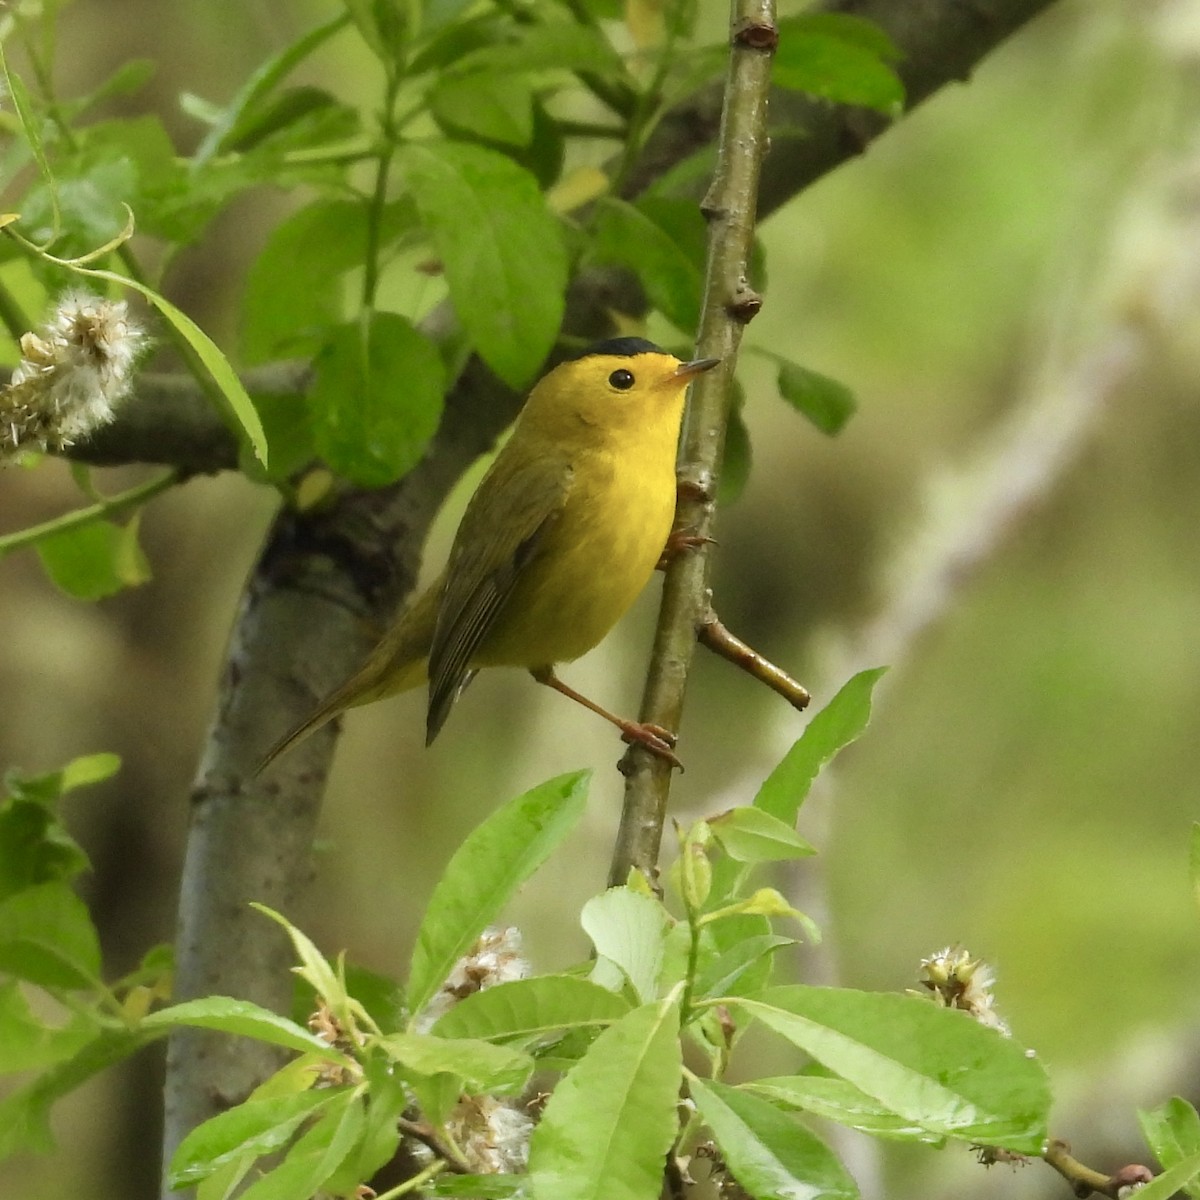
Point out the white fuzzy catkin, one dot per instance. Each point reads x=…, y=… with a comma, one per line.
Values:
x=73, y=374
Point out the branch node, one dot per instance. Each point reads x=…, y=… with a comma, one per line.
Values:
x=695, y=485
x=757, y=35
x=745, y=304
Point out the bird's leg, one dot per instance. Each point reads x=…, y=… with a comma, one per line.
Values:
x=656, y=739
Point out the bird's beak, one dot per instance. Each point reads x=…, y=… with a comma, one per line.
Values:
x=696, y=367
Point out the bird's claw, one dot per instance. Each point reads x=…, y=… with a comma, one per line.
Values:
x=655, y=738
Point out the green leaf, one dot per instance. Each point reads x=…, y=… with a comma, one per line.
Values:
x=771, y=1156
x=294, y=288
x=244, y=109
x=752, y=835
x=482, y=1066
x=31, y=127
x=315, y=969
x=240, y=1017
x=484, y=873
x=47, y=937
x=1181, y=1176
x=376, y=399
x=502, y=249
x=673, y=280
x=24, y=1115
x=35, y=848
x=316, y=1155
x=95, y=560
x=89, y=769
x=557, y=45
x=933, y=1066
x=839, y=58
x=381, y=24
x=477, y=1187
x=252, y=1128
x=826, y=402
x=531, y=1008
x=837, y=1100
x=836, y=725
x=610, y=1122
x=738, y=970
x=496, y=108
x=27, y=1043
x=627, y=929
x=1172, y=1131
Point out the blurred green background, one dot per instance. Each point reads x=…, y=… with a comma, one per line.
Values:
x=1028, y=242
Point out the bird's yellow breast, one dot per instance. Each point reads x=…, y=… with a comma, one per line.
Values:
x=594, y=560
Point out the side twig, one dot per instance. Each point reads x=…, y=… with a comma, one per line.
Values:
x=729, y=303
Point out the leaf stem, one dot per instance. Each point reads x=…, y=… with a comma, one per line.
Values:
x=111, y=507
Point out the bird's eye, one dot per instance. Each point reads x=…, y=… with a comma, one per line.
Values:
x=621, y=380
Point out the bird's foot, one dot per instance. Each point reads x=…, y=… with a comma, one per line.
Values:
x=678, y=541
x=655, y=738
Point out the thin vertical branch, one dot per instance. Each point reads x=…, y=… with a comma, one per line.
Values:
x=729, y=302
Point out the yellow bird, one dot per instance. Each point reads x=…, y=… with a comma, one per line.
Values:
x=561, y=535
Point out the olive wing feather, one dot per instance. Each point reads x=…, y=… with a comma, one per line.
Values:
x=499, y=537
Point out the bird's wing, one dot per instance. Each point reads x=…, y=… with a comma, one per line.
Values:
x=499, y=537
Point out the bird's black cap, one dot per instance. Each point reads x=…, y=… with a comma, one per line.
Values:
x=622, y=347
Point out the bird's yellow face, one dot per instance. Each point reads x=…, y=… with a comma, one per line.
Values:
x=622, y=388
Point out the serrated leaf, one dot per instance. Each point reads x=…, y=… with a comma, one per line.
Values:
x=837, y=1100
x=838, y=58
x=753, y=835
x=933, y=1066
x=502, y=250
x=532, y=1008
x=485, y=871
x=376, y=398
x=772, y=1156
x=610, y=1122
x=482, y=1066
x=627, y=929
x=47, y=937
x=835, y=726
x=1172, y=1131
x=252, y=1128
x=240, y=1017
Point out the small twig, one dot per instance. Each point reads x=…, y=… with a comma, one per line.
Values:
x=1085, y=1181
x=717, y=638
x=101, y=511
x=429, y=1139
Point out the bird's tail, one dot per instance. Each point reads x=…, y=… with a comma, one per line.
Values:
x=397, y=664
